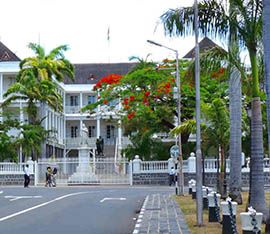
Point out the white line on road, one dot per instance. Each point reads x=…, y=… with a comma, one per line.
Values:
x=113, y=198
x=40, y=205
x=14, y=198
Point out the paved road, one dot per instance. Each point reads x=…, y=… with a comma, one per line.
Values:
x=79, y=210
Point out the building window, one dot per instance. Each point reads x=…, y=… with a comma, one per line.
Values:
x=91, y=131
x=110, y=131
x=74, y=131
x=74, y=100
x=91, y=99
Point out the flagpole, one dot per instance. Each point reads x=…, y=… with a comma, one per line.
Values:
x=108, y=40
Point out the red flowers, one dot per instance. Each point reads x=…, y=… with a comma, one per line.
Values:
x=110, y=79
x=131, y=115
x=146, y=94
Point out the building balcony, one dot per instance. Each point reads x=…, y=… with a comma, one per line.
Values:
x=72, y=109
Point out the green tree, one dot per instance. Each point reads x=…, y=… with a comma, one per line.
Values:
x=214, y=20
x=8, y=144
x=36, y=82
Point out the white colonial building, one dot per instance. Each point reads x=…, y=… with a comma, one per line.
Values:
x=76, y=94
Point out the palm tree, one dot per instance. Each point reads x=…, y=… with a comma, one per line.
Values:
x=32, y=137
x=37, y=82
x=266, y=40
x=32, y=90
x=42, y=66
x=215, y=20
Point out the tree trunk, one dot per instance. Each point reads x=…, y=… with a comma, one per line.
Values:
x=235, y=136
x=257, y=196
x=222, y=173
x=266, y=39
x=235, y=94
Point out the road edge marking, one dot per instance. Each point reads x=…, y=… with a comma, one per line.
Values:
x=140, y=217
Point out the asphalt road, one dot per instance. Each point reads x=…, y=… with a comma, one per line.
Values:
x=72, y=210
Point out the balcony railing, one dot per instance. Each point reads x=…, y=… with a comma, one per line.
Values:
x=72, y=109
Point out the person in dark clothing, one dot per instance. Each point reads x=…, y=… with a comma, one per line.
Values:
x=54, y=172
x=101, y=142
x=98, y=145
x=26, y=176
x=48, y=177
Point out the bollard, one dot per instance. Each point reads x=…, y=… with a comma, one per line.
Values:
x=229, y=216
x=213, y=207
x=190, y=186
x=194, y=191
x=205, y=199
x=251, y=221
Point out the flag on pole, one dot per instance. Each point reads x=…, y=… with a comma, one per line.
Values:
x=108, y=34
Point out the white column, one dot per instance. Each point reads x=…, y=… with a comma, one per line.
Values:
x=119, y=134
x=81, y=100
x=98, y=120
x=64, y=102
x=81, y=122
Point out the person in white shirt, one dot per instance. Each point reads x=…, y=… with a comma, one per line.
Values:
x=171, y=176
x=26, y=176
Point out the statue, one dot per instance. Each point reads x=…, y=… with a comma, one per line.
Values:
x=84, y=134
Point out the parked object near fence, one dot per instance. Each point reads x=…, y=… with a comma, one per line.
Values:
x=213, y=207
x=193, y=188
x=228, y=216
x=251, y=221
x=205, y=192
x=190, y=182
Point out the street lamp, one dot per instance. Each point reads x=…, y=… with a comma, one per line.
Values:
x=180, y=176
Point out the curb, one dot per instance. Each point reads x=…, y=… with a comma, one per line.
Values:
x=140, y=217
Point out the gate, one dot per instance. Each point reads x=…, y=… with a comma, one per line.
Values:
x=72, y=171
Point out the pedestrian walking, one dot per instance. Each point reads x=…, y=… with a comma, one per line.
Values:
x=26, y=176
x=171, y=176
x=48, y=177
x=54, y=172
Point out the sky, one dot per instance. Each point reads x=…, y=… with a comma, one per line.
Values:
x=83, y=25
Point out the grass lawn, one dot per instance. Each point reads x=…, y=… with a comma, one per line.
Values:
x=188, y=206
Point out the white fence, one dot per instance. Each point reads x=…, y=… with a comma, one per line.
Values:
x=108, y=171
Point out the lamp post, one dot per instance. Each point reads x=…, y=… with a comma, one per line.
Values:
x=180, y=176
x=199, y=201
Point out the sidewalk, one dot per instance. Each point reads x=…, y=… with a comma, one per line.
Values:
x=160, y=214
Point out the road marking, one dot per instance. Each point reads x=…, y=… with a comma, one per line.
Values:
x=14, y=198
x=40, y=205
x=113, y=198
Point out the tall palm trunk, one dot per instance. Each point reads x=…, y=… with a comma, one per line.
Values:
x=235, y=94
x=257, y=197
x=266, y=40
x=222, y=173
x=235, y=136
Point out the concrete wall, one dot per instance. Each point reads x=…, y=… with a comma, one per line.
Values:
x=14, y=179
x=210, y=179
